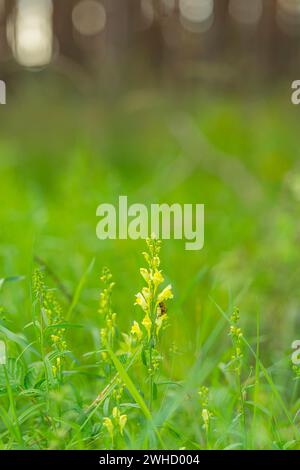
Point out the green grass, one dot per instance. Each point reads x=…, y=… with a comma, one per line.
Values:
x=58, y=163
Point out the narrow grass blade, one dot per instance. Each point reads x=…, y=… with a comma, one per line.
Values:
x=78, y=290
x=4, y=280
x=130, y=385
x=16, y=427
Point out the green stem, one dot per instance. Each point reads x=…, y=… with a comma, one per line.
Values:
x=256, y=389
x=150, y=381
x=13, y=408
x=244, y=429
x=43, y=353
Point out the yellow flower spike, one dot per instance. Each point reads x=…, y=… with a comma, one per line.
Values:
x=106, y=275
x=122, y=423
x=104, y=356
x=166, y=294
x=145, y=274
x=107, y=422
x=147, y=324
x=157, y=278
x=55, y=338
x=115, y=412
x=136, y=331
x=140, y=300
x=103, y=335
x=205, y=417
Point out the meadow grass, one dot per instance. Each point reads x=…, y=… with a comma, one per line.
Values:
x=204, y=364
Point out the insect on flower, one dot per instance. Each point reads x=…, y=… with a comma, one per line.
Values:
x=161, y=309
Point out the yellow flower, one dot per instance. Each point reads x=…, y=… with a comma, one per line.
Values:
x=159, y=322
x=115, y=412
x=136, y=331
x=120, y=420
x=122, y=423
x=157, y=278
x=166, y=294
x=140, y=300
x=146, y=275
x=147, y=324
x=146, y=293
x=107, y=422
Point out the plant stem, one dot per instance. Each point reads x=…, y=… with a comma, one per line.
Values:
x=150, y=380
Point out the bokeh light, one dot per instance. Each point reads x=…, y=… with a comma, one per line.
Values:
x=30, y=32
x=89, y=17
x=196, y=15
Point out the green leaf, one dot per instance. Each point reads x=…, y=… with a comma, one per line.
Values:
x=154, y=390
x=30, y=412
x=17, y=338
x=7, y=421
x=143, y=356
x=10, y=279
x=34, y=375
x=14, y=337
x=134, y=392
x=106, y=406
x=12, y=402
x=130, y=385
x=64, y=325
x=2, y=353
x=15, y=374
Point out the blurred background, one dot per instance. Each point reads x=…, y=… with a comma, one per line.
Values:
x=183, y=101
x=225, y=42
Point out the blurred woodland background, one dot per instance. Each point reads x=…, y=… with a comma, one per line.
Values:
x=222, y=43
